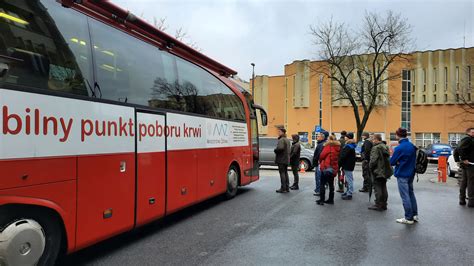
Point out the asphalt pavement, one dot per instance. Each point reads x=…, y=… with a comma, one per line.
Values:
x=261, y=227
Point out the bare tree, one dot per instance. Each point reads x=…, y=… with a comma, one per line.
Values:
x=359, y=60
x=464, y=94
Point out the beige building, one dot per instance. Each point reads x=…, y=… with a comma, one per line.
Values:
x=427, y=99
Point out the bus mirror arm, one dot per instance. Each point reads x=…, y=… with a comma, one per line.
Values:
x=263, y=113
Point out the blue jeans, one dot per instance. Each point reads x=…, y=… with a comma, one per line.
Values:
x=350, y=182
x=405, y=187
x=317, y=178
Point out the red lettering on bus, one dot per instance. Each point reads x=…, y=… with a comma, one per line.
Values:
x=88, y=132
x=123, y=127
x=66, y=129
x=6, y=119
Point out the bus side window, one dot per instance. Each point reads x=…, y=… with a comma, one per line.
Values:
x=45, y=46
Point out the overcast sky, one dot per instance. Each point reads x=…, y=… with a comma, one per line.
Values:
x=272, y=33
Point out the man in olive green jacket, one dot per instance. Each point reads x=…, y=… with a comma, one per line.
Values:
x=380, y=171
x=282, y=159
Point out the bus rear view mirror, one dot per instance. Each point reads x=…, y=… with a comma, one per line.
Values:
x=263, y=114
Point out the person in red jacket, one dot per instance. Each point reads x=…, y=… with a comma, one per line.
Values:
x=328, y=163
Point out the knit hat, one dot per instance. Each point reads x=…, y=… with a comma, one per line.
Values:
x=325, y=133
x=366, y=134
x=350, y=135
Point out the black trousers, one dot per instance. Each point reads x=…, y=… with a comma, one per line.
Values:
x=294, y=169
x=381, y=193
x=468, y=176
x=327, y=179
x=284, y=179
x=366, y=174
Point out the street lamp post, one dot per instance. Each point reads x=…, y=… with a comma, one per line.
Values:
x=253, y=78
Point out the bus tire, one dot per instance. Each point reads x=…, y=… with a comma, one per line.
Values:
x=232, y=179
x=29, y=218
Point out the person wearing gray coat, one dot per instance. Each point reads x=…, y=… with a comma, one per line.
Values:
x=282, y=159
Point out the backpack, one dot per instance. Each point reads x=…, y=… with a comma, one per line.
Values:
x=421, y=161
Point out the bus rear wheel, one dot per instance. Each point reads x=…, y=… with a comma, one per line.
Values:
x=28, y=237
x=232, y=182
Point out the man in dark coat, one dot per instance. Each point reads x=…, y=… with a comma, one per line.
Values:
x=365, y=155
x=380, y=171
x=466, y=155
x=295, y=160
x=282, y=159
x=347, y=161
x=321, y=139
x=340, y=173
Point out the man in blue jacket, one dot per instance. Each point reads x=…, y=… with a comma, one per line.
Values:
x=404, y=160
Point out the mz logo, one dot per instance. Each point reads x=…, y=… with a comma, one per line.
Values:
x=220, y=130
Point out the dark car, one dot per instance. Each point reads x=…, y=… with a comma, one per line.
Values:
x=267, y=154
x=434, y=151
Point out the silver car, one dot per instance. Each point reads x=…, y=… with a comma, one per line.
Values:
x=267, y=154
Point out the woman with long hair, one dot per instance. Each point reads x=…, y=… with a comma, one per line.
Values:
x=328, y=161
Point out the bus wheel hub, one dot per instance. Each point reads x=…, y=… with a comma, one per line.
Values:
x=22, y=243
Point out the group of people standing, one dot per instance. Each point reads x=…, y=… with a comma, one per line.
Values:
x=337, y=158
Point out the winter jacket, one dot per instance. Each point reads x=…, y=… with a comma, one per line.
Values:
x=466, y=149
x=380, y=162
x=295, y=153
x=347, y=158
x=329, y=156
x=404, y=159
x=342, y=140
x=317, y=152
x=282, y=151
x=365, y=150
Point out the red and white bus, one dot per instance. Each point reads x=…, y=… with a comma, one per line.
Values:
x=108, y=124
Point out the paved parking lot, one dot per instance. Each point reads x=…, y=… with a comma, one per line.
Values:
x=261, y=227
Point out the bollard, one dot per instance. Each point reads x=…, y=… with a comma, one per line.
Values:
x=442, y=169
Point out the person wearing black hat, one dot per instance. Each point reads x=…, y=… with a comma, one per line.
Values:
x=282, y=159
x=365, y=155
x=347, y=161
x=340, y=174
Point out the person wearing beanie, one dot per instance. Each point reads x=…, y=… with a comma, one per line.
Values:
x=381, y=171
x=328, y=164
x=347, y=161
x=365, y=155
x=321, y=139
x=404, y=160
x=282, y=159
x=295, y=153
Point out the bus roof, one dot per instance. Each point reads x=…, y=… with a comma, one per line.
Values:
x=132, y=23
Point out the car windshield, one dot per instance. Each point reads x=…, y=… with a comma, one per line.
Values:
x=438, y=146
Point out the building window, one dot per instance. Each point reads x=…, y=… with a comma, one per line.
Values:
x=469, y=75
x=457, y=78
x=445, y=78
x=413, y=81
x=406, y=100
x=425, y=139
x=457, y=97
x=468, y=97
x=445, y=98
x=424, y=98
x=424, y=80
x=455, y=138
x=435, y=78
x=434, y=98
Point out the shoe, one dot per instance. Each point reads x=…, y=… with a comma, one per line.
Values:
x=317, y=194
x=375, y=208
x=329, y=201
x=281, y=191
x=415, y=218
x=320, y=202
x=470, y=205
x=346, y=197
x=404, y=221
x=294, y=187
x=462, y=203
x=340, y=190
x=363, y=190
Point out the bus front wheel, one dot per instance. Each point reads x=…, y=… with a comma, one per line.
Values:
x=232, y=182
x=28, y=237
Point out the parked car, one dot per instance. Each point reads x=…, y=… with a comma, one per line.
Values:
x=453, y=166
x=267, y=154
x=434, y=151
x=358, y=150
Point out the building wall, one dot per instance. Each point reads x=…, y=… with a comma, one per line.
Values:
x=293, y=100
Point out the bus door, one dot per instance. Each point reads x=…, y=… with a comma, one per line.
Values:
x=151, y=166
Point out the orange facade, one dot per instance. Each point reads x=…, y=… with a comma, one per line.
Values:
x=284, y=97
